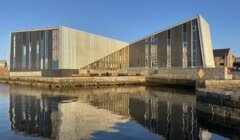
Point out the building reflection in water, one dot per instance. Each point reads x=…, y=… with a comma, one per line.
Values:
x=167, y=112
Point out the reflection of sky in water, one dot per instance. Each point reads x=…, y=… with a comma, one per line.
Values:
x=102, y=113
x=128, y=130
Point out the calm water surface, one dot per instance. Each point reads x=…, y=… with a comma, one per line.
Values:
x=105, y=113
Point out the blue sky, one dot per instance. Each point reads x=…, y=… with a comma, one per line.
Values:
x=125, y=20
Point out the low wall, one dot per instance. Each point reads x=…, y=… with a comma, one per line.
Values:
x=26, y=73
x=71, y=82
x=45, y=73
x=222, y=103
x=218, y=84
x=4, y=71
x=191, y=73
x=59, y=72
x=131, y=71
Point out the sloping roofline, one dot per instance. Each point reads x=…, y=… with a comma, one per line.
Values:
x=152, y=34
x=167, y=28
x=60, y=27
x=37, y=29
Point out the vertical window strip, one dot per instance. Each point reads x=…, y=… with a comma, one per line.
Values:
x=169, y=49
x=184, y=46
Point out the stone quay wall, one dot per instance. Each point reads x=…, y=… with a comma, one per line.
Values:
x=4, y=71
x=221, y=103
x=71, y=82
x=183, y=83
x=218, y=73
x=221, y=84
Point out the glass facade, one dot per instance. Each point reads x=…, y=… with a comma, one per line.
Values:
x=37, y=52
x=30, y=50
x=147, y=52
x=169, y=48
x=55, y=50
x=46, y=49
x=114, y=61
x=194, y=43
x=154, y=51
x=184, y=45
x=41, y=50
x=14, y=51
x=24, y=51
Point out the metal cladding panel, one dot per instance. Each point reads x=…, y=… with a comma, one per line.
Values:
x=176, y=47
x=11, y=52
x=19, y=51
x=189, y=47
x=162, y=49
x=137, y=54
x=79, y=49
x=199, y=51
x=33, y=55
x=50, y=49
x=205, y=40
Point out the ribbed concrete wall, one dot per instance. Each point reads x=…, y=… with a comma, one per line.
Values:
x=78, y=48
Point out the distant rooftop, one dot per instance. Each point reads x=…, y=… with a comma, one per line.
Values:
x=221, y=52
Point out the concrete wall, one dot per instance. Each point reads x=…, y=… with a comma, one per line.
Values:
x=206, y=44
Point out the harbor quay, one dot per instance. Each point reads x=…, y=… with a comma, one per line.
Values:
x=214, y=78
x=223, y=103
x=179, y=56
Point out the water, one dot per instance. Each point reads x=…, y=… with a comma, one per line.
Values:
x=105, y=113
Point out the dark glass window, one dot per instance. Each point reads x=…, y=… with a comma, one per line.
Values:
x=169, y=34
x=24, y=38
x=30, y=37
x=184, y=27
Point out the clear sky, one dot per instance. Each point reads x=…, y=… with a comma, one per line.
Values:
x=125, y=20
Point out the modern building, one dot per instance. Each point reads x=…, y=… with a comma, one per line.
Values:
x=58, y=48
x=184, y=45
x=223, y=57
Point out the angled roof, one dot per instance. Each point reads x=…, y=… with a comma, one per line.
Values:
x=169, y=27
x=221, y=52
